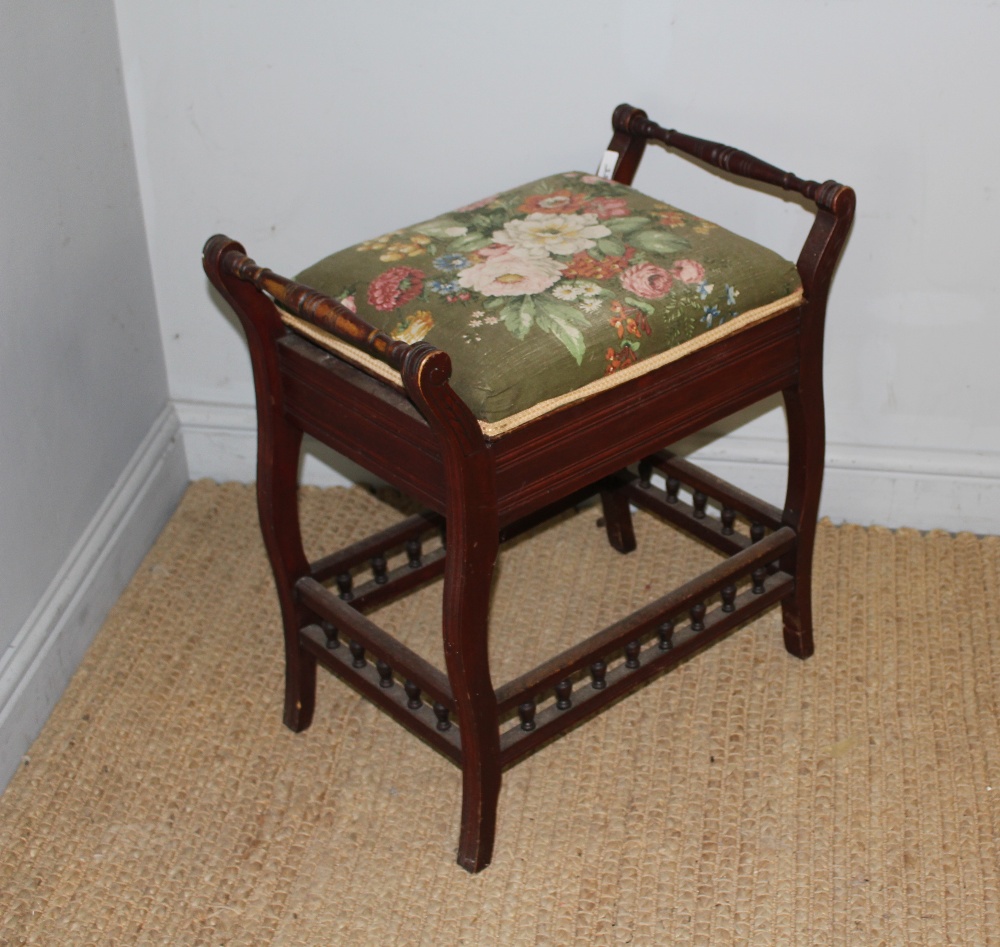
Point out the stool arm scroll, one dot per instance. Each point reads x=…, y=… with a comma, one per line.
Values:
x=835, y=202
x=306, y=303
x=634, y=122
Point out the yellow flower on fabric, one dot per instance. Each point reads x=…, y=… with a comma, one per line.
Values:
x=377, y=243
x=415, y=327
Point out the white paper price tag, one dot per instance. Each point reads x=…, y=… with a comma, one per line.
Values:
x=607, y=165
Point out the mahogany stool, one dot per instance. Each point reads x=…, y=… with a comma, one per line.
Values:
x=483, y=363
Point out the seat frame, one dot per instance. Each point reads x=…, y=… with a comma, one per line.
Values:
x=479, y=491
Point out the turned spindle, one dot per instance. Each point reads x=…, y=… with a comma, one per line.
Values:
x=728, y=519
x=729, y=598
x=358, y=653
x=645, y=473
x=666, y=633
x=698, y=617
x=632, y=654
x=758, y=576
x=699, y=500
x=756, y=532
x=526, y=712
x=441, y=712
x=344, y=585
x=598, y=673
x=380, y=570
x=384, y=673
x=332, y=635
x=413, y=693
x=673, y=485
x=563, y=691
x=413, y=553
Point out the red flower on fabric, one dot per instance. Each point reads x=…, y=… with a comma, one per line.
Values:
x=584, y=266
x=608, y=207
x=555, y=202
x=395, y=288
x=620, y=359
x=647, y=280
x=629, y=319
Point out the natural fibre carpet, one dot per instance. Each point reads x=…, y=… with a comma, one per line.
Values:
x=746, y=798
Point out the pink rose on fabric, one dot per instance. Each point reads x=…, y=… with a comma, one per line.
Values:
x=608, y=207
x=493, y=250
x=511, y=274
x=395, y=288
x=475, y=205
x=647, y=281
x=688, y=271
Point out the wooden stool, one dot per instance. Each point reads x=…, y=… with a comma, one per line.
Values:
x=506, y=361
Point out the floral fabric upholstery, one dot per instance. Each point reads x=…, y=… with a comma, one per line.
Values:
x=546, y=288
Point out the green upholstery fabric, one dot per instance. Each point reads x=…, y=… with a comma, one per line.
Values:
x=545, y=288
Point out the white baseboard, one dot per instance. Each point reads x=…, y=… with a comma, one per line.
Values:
x=888, y=486
x=36, y=668
x=220, y=441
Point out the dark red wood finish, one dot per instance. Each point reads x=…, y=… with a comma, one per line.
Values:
x=480, y=490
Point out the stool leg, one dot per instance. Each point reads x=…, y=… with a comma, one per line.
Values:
x=472, y=551
x=617, y=519
x=277, y=504
x=806, y=450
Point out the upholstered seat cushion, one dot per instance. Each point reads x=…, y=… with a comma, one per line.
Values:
x=543, y=293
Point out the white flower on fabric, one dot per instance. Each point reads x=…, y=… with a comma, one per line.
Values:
x=590, y=306
x=562, y=234
x=511, y=274
x=566, y=291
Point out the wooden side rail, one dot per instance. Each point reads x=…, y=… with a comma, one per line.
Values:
x=365, y=636
x=404, y=704
x=635, y=627
x=634, y=121
x=312, y=306
x=835, y=202
x=570, y=708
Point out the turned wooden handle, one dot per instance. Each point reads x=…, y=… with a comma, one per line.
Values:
x=307, y=303
x=830, y=195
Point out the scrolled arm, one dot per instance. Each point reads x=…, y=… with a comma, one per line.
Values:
x=634, y=122
x=228, y=259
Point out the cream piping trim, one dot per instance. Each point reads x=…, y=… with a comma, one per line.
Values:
x=514, y=421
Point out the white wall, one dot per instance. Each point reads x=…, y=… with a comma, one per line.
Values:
x=299, y=128
x=89, y=470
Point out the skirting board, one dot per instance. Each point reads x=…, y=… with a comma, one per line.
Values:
x=36, y=668
x=887, y=486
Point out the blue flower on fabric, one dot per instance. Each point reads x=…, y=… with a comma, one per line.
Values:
x=452, y=262
x=704, y=289
x=731, y=295
x=710, y=313
x=449, y=288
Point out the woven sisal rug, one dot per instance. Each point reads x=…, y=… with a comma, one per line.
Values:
x=746, y=798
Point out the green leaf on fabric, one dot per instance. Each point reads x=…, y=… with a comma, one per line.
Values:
x=519, y=316
x=438, y=227
x=611, y=246
x=620, y=225
x=469, y=242
x=659, y=241
x=640, y=304
x=562, y=320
